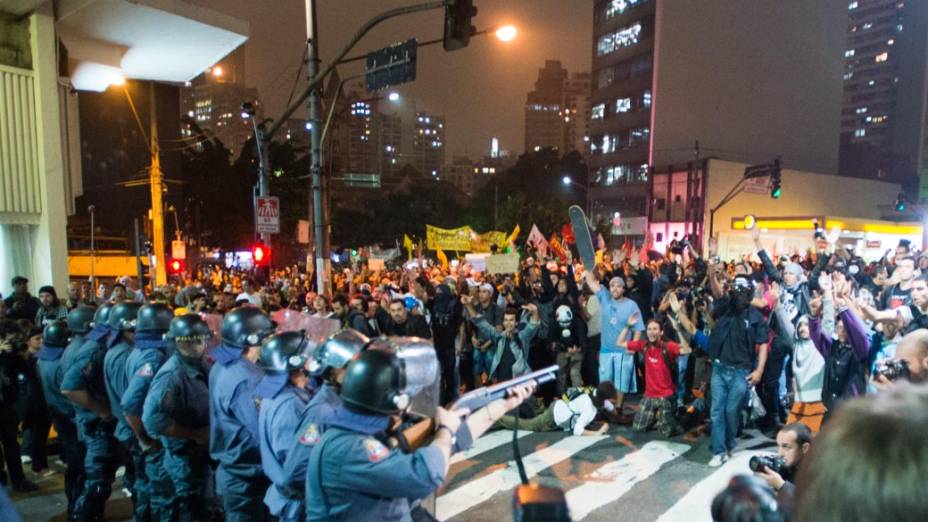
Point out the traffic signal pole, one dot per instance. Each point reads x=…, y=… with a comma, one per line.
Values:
x=318, y=218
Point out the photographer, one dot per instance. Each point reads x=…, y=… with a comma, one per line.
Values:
x=910, y=364
x=793, y=442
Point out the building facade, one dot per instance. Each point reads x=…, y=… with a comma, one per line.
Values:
x=429, y=144
x=543, y=110
x=885, y=91
x=674, y=81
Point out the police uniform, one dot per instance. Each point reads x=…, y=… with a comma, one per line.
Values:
x=143, y=361
x=114, y=375
x=282, y=406
x=233, y=440
x=178, y=394
x=49, y=362
x=83, y=371
x=310, y=431
x=353, y=476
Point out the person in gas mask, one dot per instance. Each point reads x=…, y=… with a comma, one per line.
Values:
x=738, y=349
x=567, y=342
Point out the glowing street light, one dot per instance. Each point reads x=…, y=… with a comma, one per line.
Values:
x=393, y=96
x=217, y=71
x=506, y=33
x=118, y=81
x=566, y=180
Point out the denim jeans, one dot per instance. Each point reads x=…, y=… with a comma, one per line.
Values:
x=728, y=388
x=682, y=362
x=482, y=363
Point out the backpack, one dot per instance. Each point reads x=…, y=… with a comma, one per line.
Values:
x=671, y=364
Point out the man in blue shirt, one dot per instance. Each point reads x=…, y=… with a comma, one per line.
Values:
x=146, y=357
x=284, y=396
x=82, y=384
x=615, y=363
x=176, y=410
x=233, y=411
x=51, y=370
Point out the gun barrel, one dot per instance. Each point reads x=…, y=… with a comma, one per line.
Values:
x=480, y=397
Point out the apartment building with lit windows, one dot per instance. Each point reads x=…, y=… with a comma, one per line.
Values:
x=883, y=118
x=675, y=81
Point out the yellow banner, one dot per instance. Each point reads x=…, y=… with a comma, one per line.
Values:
x=483, y=241
x=448, y=239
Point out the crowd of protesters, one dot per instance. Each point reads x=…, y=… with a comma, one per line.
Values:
x=764, y=341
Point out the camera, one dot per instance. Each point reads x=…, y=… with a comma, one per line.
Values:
x=893, y=369
x=772, y=462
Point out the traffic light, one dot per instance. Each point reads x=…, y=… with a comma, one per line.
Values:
x=261, y=254
x=900, y=202
x=175, y=266
x=775, y=189
x=458, y=29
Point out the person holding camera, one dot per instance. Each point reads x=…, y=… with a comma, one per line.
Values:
x=910, y=363
x=793, y=443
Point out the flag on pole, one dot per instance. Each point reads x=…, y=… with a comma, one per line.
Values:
x=407, y=244
x=515, y=234
x=442, y=258
x=536, y=239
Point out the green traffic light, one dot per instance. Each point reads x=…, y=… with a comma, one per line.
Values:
x=775, y=194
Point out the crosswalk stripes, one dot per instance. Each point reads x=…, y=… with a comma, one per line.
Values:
x=481, y=489
x=695, y=505
x=612, y=480
x=486, y=443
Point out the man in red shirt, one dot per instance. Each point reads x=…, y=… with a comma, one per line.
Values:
x=659, y=382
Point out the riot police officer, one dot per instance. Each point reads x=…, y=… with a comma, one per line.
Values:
x=82, y=383
x=284, y=395
x=122, y=321
x=355, y=475
x=148, y=354
x=55, y=339
x=233, y=411
x=328, y=364
x=177, y=411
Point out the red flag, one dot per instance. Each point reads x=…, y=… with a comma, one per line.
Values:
x=567, y=232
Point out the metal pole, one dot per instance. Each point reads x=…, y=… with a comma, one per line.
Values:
x=263, y=166
x=93, y=283
x=316, y=148
x=157, y=207
x=138, y=254
x=495, y=201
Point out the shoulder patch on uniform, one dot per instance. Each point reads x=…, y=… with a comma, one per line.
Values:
x=145, y=371
x=311, y=436
x=376, y=451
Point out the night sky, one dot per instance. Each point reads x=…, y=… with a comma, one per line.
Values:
x=480, y=89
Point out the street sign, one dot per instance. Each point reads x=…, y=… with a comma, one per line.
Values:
x=391, y=65
x=178, y=249
x=302, y=232
x=267, y=215
x=757, y=185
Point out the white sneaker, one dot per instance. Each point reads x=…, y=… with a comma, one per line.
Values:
x=718, y=460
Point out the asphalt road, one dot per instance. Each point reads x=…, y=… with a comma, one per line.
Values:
x=618, y=476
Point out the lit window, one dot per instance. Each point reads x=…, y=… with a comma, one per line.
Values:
x=867, y=25
x=848, y=76
x=899, y=28
x=623, y=105
x=890, y=41
x=851, y=6
x=882, y=57
x=598, y=111
x=861, y=110
x=625, y=37
x=646, y=99
x=849, y=53
x=860, y=133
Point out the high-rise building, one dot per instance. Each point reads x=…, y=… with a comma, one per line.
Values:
x=883, y=125
x=213, y=100
x=429, y=144
x=460, y=173
x=575, y=109
x=674, y=81
x=543, y=110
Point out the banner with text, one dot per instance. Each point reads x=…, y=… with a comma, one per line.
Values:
x=448, y=239
x=483, y=242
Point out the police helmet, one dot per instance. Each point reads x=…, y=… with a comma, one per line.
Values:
x=337, y=351
x=188, y=327
x=285, y=352
x=81, y=318
x=102, y=315
x=246, y=326
x=123, y=316
x=56, y=335
x=375, y=382
x=154, y=318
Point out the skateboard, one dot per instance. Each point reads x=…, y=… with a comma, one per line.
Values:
x=582, y=237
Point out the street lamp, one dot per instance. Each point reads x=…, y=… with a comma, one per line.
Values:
x=506, y=33
x=566, y=180
x=393, y=96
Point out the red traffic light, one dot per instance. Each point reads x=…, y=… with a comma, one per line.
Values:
x=175, y=266
x=261, y=254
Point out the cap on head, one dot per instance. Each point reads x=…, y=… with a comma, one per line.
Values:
x=154, y=318
x=246, y=326
x=285, y=352
x=81, y=319
x=56, y=335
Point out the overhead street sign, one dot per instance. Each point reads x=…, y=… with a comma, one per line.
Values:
x=391, y=65
x=267, y=215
